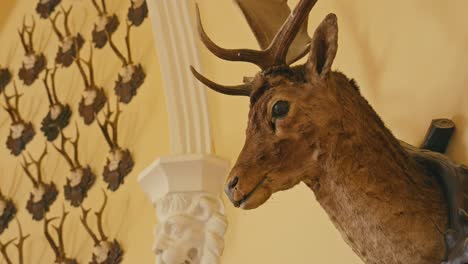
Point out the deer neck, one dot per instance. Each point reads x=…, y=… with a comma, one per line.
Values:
x=380, y=200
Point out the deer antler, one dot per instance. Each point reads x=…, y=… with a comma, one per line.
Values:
x=100, y=11
x=111, y=139
x=89, y=63
x=51, y=91
x=99, y=217
x=36, y=163
x=3, y=248
x=74, y=163
x=66, y=14
x=13, y=109
x=29, y=31
x=273, y=55
x=54, y=26
x=20, y=243
x=84, y=221
x=53, y=245
x=125, y=61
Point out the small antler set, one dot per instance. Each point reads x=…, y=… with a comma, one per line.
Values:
x=94, y=97
x=119, y=162
x=81, y=178
x=43, y=194
x=46, y=7
x=33, y=63
x=69, y=44
x=58, y=247
x=137, y=12
x=105, y=25
x=59, y=114
x=131, y=76
x=7, y=212
x=21, y=132
x=104, y=251
x=5, y=78
x=19, y=246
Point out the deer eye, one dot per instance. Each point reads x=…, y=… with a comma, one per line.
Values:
x=280, y=109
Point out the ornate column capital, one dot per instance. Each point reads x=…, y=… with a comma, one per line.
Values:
x=185, y=190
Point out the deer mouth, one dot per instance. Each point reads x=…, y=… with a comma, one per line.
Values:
x=245, y=198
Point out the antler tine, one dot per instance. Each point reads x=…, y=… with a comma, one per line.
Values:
x=49, y=238
x=99, y=217
x=248, y=55
x=115, y=49
x=20, y=243
x=78, y=60
x=104, y=7
x=89, y=63
x=115, y=124
x=95, y=4
x=63, y=151
x=54, y=26
x=13, y=110
x=3, y=248
x=39, y=163
x=59, y=231
x=65, y=19
x=127, y=43
x=25, y=166
x=30, y=34
x=243, y=89
x=75, y=146
x=84, y=222
x=21, y=34
x=54, y=91
x=104, y=126
x=278, y=48
x=46, y=85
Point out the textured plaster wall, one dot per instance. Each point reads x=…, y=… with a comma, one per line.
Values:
x=143, y=128
x=410, y=60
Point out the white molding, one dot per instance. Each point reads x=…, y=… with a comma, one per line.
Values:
x=174, y=36
x=185, y=190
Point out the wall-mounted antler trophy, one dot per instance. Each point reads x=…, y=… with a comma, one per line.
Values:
x=105, y=252
x=94, y=97
x=33, y=62
x=119, y=162
x=131, y=75
x=5, y=78
x=81, y=178
x=59, y=114
x=21, y=131
x=105, y=25
x=310, y=124
x=46, y=7
x=137, y=12
x=43, y=194
x=7, y=212
x=69, y=44
x=59, y=246
x=19, y=246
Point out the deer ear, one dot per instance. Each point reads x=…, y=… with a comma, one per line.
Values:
x=323, y=49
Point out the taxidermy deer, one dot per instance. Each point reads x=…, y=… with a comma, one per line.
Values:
x=310, y=124
x=81, y=177
x=43, y=194
x=33, y=62
x=105, y=24
x=19, y=246
x=7, y=212
x=59, y=246
x=105, y=252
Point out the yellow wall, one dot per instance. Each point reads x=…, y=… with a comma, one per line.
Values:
x=143, y=128
x=410, y=60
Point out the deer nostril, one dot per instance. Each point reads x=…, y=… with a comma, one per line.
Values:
x=233, y=183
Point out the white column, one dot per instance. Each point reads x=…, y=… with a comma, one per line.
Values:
x=185, y=188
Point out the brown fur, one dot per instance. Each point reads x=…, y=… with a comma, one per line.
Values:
x=388, y=209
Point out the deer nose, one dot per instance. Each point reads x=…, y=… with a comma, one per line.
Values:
x=233, y=183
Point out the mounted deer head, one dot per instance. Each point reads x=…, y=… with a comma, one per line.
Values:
x=21, y=132
x=104, y=251
x=137, y=12
x=33, y=63
x=59, y=114
x=7, y=212
x=46, y=7
x=5, y=78
x=310, y=124
x=69, y=44
x=58, y=247
x=119, y=162
x=105, y=24
x=94, y=97
x=19, y=246
x=81, y=178
x=131, y=76
x=43, y=194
